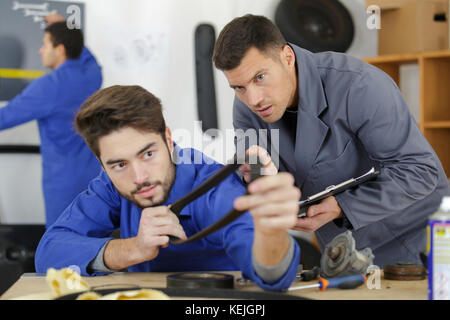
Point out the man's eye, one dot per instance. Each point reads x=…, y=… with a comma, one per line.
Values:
x=260, y=77
x=118, y=166
x=148, y=154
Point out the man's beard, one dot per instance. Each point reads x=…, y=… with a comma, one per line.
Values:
x=166, y=185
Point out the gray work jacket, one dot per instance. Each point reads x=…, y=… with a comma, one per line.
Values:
x=351, y=116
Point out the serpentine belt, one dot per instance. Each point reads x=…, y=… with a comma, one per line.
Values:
x=219, y=176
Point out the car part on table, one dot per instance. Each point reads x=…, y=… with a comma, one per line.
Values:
x=340, y=255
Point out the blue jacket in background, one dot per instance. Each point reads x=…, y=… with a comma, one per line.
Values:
x=84, y=228
x=53, y=100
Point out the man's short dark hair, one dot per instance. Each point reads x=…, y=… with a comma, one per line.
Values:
x=242, y=33
x=117, y=107
x=71, y=39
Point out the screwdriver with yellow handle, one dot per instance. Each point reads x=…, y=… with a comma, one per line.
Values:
x=344, y=282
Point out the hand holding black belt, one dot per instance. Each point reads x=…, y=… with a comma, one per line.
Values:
x=219, y=176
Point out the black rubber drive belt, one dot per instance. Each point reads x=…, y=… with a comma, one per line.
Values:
x=219, y=176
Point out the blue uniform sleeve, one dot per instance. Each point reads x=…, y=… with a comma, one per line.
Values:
x=36, y=101
x=82, y=230
x=39, y=100
x=237, y=237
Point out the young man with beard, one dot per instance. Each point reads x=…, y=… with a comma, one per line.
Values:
x=125, y=128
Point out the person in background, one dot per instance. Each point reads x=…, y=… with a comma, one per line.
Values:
x=337, y=117
x=144, y=173
x=67, y=163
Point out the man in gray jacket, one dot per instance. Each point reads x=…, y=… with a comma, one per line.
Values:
x=335, y=117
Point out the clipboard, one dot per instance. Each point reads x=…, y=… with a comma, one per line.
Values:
x=335, y=189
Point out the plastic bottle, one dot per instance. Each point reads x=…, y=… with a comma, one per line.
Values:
x=438, y=248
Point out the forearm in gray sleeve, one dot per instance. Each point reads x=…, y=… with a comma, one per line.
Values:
x=271, y=274
x=97, y=264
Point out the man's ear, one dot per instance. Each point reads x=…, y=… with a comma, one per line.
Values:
x=61, y=50
x=288, y=56
x=169, y=140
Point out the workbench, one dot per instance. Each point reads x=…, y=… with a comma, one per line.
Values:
x=31, y=284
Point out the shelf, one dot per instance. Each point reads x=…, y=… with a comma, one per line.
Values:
x=439, y=138
x=437, y=125
x=407, y=58
x=394, y=59
x=434, y=94
x=435, y=89
x=436, y=54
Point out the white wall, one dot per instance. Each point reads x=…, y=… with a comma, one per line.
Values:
x=21, y=198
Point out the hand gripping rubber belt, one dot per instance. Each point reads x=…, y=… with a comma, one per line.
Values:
x=219, y=176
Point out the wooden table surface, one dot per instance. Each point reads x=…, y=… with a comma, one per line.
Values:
x=31, y=284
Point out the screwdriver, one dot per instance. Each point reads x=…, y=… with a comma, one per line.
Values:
x=345, y=282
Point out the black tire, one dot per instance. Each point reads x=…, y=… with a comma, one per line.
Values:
x=315, y=25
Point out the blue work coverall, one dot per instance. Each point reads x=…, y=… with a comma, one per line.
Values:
x=67, y=163
x=84, y=228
